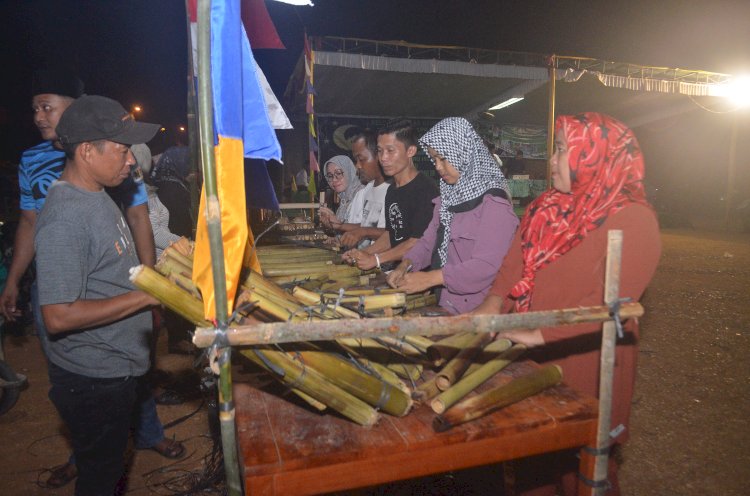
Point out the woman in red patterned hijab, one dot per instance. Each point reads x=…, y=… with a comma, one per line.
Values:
x=597, y=169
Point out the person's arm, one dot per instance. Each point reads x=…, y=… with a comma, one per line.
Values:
x=143, y=234
x=82, y=314
x=354, y=236
x=380, y=244
x=367, y=260
x=493, y=304
x=23, y=254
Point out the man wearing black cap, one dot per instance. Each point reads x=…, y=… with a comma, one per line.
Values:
x=41, y=165
x=99, y=324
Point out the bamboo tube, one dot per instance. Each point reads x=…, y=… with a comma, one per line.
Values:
x=281, y=332
x=183, y=282
x=184, y=247
x=402, y=346
x=427, y=390
x=312, y=383
x=454, y=369
x=339, y=283
x=376, y=302
x=419, y=342
x=298, y=279
x=333, y=270
x=368, y=388
x=489, y=353
x=496, y=398
x=171, y=252
x=312, y=298
x=363, y=292
x=445, y=349
x=167, y=266
x=454, y=394
x=410, y=371
x=421, y=301
x=318, y=405
x=174, y=298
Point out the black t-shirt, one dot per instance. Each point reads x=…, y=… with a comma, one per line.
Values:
x=409, y=208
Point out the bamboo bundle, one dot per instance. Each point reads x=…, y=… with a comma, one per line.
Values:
x=376, y=302
x=173, y=297
x=352, y=379
x=175, y=254
x=295, y=227
x=496, y=398
x=363, y=292
x=421, y=300
x=384, y=373
x=175, y=272
x=184, y=247
x=314, y=384
x=307, y=237
x=470, y=382
x=454, y=369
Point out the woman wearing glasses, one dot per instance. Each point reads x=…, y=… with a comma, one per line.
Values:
x=342, y=177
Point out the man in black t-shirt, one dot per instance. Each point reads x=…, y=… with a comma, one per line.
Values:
x=408, y=201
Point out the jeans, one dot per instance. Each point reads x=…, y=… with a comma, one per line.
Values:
x=97, y=413
x=148, y=429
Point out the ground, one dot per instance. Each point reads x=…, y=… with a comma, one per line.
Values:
x=689, y=433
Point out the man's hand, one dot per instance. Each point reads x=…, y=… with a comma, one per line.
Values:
x=328, y=217
x=361, y=259
x=353, y=237
x=8, y=299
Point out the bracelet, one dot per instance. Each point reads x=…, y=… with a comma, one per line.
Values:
x=377, y=260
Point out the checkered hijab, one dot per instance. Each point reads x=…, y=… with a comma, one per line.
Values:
x=456, y=140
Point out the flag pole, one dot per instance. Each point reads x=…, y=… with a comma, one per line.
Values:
x=192, y=122
x=213, y=222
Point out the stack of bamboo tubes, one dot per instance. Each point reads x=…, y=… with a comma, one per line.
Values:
x=360, y=377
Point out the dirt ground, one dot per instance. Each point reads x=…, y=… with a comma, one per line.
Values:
x=689, y=428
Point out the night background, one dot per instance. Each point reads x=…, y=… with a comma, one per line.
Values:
x=135, y=51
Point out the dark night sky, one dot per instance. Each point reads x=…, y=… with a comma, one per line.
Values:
x=135, y=50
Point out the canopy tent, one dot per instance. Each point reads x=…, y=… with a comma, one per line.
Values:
x=364, y=78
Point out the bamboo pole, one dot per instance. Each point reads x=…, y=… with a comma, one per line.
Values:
x=442, y=351
x=282, y=332
x=551, y=115
x=213, y=221
x=499, y=397
x=607, y=363
x=470, y=382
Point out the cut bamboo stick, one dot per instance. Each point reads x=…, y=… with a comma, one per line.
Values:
x=489, y=353
x=312, y=298
x=173, y=297
x=445, y=349
x=499, y=397
x=468, y=383
x=454, y=369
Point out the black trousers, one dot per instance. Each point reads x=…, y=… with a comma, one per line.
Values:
x=97, y=412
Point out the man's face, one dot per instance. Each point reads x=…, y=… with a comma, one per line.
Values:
x=365, y=162
x=47, y=110
x=111, y=165
x=394, y=156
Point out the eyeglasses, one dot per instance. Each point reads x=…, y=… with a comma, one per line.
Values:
x=336, y=175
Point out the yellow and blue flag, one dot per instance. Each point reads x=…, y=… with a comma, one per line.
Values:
x=242, y=129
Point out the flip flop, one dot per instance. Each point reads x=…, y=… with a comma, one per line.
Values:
x=61, y=475
x=169, y=448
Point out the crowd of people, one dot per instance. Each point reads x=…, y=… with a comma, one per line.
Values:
x=86, y=218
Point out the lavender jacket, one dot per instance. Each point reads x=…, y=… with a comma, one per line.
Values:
x=478, y=242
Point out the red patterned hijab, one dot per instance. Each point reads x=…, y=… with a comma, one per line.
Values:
x=606, y=174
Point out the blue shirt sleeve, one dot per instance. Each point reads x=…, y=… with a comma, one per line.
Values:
x=132, y=191
x=24, y=185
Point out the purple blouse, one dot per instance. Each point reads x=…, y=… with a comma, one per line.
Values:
x=478, y=242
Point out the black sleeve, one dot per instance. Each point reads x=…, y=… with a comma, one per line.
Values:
x=423, y=206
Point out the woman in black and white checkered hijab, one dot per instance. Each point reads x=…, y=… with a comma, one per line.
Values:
x=454, y=139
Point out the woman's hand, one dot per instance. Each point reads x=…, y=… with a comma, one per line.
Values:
x=416, y=282
x=530, y=338
x=396, y=277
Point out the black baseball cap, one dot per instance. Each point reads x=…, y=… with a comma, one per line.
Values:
x=93, y=117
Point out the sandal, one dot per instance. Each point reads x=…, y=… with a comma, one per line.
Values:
x=169, y=397
x=61, y=475
x=169, y=448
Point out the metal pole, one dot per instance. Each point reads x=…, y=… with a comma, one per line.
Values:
x=192, y=122
x=213, y=221
x=551, y=117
